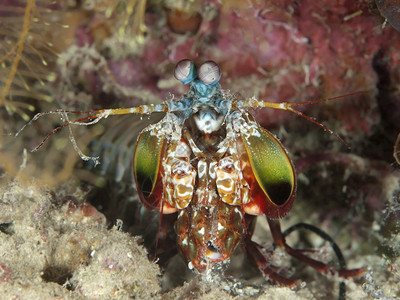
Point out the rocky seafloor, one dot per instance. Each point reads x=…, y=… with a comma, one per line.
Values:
x=69, y=230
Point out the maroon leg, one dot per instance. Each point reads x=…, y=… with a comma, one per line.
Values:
x=258, y=258
x=254, y=253
x=165, y=244
x=279, y=240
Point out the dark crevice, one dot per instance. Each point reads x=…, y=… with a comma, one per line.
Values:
x=389, y=110
x=7, y=228
x=58, y=275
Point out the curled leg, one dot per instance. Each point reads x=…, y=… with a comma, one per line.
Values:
x=258, y=258
x=279, y=240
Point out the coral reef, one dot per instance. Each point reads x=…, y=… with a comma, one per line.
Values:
x=86, y=55
x=54, y=245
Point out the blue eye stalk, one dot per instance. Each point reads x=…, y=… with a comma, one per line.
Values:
x=205, y=90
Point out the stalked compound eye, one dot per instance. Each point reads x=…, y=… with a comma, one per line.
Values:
x=185, y=71
x=209, y=73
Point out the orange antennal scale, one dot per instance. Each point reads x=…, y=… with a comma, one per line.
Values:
x=253, y=102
